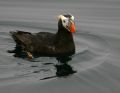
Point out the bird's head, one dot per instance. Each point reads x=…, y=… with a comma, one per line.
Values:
x=67, y=22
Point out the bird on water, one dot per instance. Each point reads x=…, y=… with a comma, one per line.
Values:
x=60, y=44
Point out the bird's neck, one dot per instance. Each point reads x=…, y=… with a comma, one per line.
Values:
x=63, y=37
x=64, y=41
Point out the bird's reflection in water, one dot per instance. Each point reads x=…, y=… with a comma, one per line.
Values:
x=63, y=68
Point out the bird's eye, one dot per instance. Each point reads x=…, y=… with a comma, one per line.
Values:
x=64, y=21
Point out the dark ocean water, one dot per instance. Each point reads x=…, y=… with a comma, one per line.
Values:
x=97, y=41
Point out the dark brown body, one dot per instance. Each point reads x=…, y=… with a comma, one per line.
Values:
x=44, y=43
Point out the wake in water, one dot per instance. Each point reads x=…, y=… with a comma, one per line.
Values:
x=91, y=50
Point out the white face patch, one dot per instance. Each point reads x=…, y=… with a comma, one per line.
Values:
x=65, y=21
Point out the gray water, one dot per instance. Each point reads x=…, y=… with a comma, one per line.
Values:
x=97, y=41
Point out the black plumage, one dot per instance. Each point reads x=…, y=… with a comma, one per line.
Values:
x=60, y=44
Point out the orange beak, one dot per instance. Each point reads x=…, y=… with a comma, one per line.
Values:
x=72, y=27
